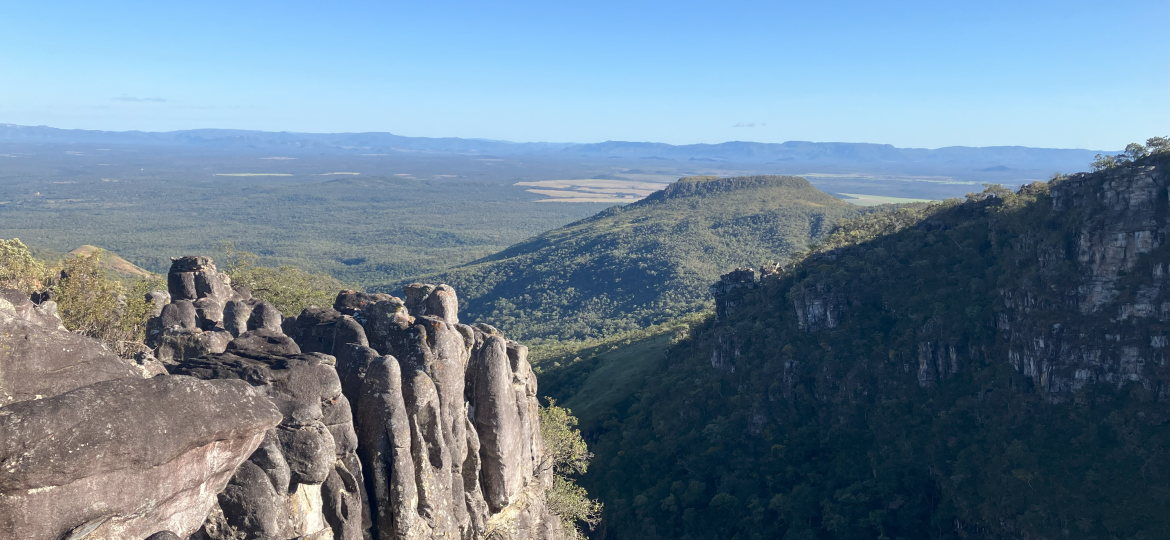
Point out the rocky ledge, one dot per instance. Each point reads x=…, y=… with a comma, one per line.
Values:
x=376, y=418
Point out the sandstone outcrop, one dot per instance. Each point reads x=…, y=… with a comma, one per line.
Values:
x=124, y=459
x=376, y=418
x=37, y=310
x=39, y=358
x=1122, y=290
x=201, y=313
x=725, y=301
x=304, y=479
x=446, y=416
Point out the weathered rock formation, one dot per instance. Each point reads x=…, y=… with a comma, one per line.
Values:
x=738, y=279
x=124, y=458
x=1122, y=290
x=376, y=418
x=40, y=359
x=92, y=449
x=304, y=479
x=201, y=312
x=446, y=416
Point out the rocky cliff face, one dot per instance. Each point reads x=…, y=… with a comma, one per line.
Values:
x=1120, y=226
x=1086, y=301
x=377, y=418
x=446, y=415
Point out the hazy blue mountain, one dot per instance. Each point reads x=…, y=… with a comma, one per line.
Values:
x=737, y=151
x=267, y=140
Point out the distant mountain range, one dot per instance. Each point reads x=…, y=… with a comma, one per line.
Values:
x=1014, y=157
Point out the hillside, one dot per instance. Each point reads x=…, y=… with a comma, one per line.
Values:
x=111, y=261
x=983, y=369
x=634, y=266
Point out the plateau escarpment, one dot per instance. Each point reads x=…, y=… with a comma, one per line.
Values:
x=990, y=368
x=375, y=418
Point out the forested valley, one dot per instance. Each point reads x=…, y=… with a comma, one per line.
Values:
x=750, y=357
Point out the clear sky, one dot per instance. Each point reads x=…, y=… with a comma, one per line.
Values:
x=1065, y=73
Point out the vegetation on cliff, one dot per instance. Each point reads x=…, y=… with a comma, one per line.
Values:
x=98, y=300
x=290, y=288
x=635, y=266
x=845, y=420
x=567, y=455
x=89, y=299
x=19, y=269
x=92, y=303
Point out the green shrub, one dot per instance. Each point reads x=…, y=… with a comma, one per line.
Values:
x=92, y=303
x=18, y=268
x=566, y=453
x=291, y=289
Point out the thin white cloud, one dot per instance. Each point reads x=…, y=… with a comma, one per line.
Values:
x=750, y=125
x=134, y=99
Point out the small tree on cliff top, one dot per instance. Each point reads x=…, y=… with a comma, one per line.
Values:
x=18, y=268
x=1133, y=152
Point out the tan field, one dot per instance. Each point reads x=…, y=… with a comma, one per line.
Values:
x=874, y=200
x=595, y=190
x=252, y=174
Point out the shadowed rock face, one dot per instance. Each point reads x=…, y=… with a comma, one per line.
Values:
x=303, y=480
x=125, y=458
x=201, y=313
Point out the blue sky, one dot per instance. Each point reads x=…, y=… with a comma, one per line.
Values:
x=1064, y=74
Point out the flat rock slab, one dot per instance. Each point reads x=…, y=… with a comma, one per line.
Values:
x=38, y=361
x=125, y=458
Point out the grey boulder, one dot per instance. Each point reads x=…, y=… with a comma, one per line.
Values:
x=124, y=459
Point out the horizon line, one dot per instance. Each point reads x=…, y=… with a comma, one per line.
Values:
x=502, y=141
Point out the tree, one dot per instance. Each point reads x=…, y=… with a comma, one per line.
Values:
x=566, y=453
x=291, y=289
x=1133, y=152
x=93, y=304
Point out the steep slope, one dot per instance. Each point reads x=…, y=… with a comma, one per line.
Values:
x=988, y=369
x=644, y=263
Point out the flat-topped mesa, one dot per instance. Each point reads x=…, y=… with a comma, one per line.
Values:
x=446, y=415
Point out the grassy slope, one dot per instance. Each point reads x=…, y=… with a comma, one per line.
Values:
x=111, y=261
x=635, y=266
